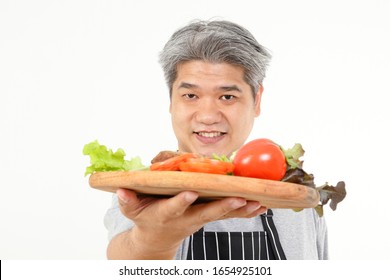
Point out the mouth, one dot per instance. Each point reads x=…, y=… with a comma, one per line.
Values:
x=211, y=134
x=209, y=137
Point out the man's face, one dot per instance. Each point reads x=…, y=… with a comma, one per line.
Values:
x=212, y=108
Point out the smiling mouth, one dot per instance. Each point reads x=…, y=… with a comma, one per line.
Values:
x=211, y=134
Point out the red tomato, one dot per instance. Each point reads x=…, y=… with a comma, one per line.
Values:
x=260, y=158
x=206, y=165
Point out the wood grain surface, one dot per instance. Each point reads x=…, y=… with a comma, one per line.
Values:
x=273, y=194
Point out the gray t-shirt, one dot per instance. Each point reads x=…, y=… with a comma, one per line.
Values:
x=303, y=235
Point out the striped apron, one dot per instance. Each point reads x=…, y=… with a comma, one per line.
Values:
x=259, y=245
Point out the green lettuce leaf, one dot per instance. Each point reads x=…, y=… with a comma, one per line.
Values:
x=293, y=155
x=296, y=174
x=103, y=159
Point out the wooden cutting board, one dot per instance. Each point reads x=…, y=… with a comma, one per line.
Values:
x=273, y=194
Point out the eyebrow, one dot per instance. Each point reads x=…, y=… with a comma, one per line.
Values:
x=187, y=85
x=223, y=88
x=231, y=88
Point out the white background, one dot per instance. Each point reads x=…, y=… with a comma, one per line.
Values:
x=75, y=71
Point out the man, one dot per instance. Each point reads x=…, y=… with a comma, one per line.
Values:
x=214, y=72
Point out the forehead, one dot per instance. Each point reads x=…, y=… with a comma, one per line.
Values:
x=206, y=71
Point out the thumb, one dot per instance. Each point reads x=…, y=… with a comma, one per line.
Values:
x=125, y=196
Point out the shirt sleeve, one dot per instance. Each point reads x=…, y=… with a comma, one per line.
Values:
x=114, y=221
x=322, y=239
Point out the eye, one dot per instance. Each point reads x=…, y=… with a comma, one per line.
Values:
x=189, y=96
x=228, y=97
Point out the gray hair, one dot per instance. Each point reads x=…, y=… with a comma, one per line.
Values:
x=216, y=42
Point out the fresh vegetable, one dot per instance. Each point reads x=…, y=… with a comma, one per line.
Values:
x=207, y=165
x=260, y=158
x=103, y=159
x=171, y=164
x=295, y=174
x=293, y=156
x=190, y=162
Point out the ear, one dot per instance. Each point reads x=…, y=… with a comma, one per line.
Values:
x=258, y=100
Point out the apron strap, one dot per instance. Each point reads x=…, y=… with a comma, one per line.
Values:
x=272, y=235
x=197, y=246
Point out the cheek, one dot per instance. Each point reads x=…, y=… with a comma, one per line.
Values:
x=179, y=114
x=242, y=118
x=242, y=126
x=180, y=118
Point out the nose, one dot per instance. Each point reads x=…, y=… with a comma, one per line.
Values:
x=208, y=112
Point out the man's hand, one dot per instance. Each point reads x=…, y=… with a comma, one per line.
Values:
x=161, y=224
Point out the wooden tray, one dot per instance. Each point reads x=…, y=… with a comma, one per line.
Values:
x=273, y=194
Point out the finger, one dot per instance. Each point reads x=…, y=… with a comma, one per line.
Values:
x=177, y=205
x=251, y=209
x=126, y=196
x=130, y=204
x=217, y=209
x=258, y=212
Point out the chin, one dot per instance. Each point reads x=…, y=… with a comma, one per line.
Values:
x=211, y=152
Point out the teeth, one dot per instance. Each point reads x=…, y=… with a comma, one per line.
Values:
x=210, y=134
